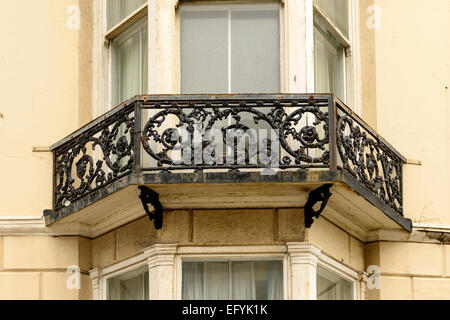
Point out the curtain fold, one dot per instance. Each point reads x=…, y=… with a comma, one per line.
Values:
x=215, y=281
x=275, y=281
x=243, y=281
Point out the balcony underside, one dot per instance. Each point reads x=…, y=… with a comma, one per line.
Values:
x=351, y=205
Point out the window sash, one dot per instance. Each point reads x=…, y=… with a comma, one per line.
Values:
x=238, y=271
x=228, y=12
x=138, y=70
x=336, y=11
x=119, y=10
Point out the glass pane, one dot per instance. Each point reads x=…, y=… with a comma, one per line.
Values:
x=129, y=67
x=204, y=52
x=130, y=63
x=255, y=51
x=337, y=11
x=117, y=10
x=205, y=281
x=260, y=280
x=332, y=287
x=129, y=286
x=328, y=62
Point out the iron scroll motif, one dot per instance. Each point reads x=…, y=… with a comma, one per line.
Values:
x=148, y=196
x=302, y=144
x=321, y=194
x=95, y=158
x=370, y=161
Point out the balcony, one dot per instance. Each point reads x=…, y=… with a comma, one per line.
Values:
x=179, y=152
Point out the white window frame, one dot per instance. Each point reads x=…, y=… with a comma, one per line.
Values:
x=245, y=5
x=345, y=273
x=229, y=253
x=351, y=55
x=102, y=52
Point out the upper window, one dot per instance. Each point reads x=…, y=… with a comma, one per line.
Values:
x=233, y=280
x=331, y=34
x=230, y=49
x=127, y=30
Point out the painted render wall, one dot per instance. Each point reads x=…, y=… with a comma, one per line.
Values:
x=45, y=84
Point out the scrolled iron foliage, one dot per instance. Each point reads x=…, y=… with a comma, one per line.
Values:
x=205, y=115
x=95, y=167
x=370, y=161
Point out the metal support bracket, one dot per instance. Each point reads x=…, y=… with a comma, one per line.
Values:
x=321, y=194
x=149, y=196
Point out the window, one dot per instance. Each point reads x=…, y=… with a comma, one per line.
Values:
x=232, y=280
x=127, y=31
x=230, y=49
x=331, y=286
x=131, y=285
x=331, y=34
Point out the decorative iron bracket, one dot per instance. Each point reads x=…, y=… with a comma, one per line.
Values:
x=321, y=194
x=149, y=196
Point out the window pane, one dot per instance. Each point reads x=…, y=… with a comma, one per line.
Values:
x=205, y=281
x=117, y=10
x=204, y=52
x=129, y=67
x=255, y=51
x=332, y=287
x=230, y=51
x=130, y=63
x=337, y=11
x=328, y=62
x=260, y=280
x=129, y=286
x=249, y=280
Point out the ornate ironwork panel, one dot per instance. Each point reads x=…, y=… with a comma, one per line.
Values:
x=231, y=132
x=94, y=158
x=368, y=159
x=207, y=134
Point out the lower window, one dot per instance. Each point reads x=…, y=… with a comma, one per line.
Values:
x=131, y=285
x=233, y=280
x=330, y=286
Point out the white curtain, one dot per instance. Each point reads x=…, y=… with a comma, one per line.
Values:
x=215, y=281
x=275, y=281
x=328, y=63
x=243, y=282
x=192, y=281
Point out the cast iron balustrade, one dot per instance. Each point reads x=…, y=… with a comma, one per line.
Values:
x=150, y=135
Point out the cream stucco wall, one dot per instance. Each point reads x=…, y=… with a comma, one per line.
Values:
x=46, y=86
x=406, y=77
